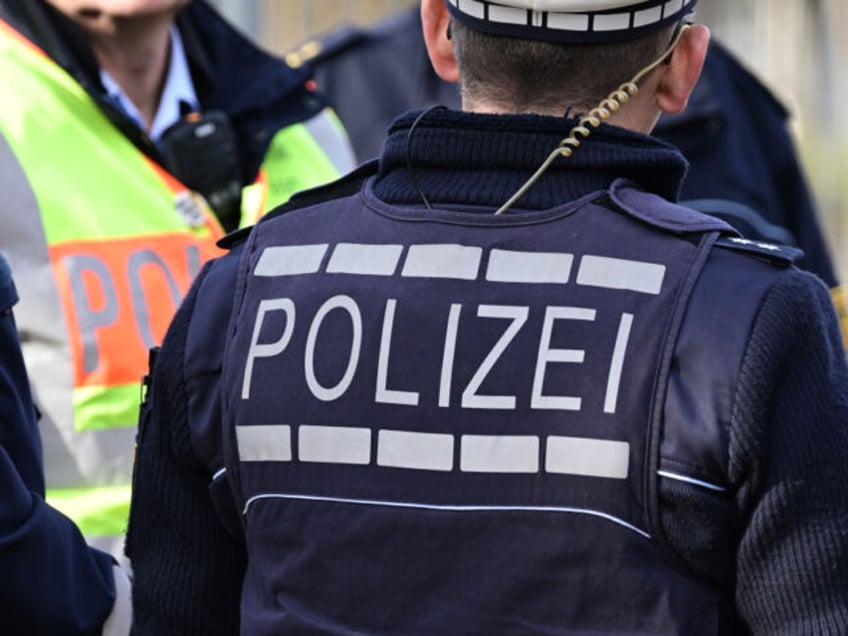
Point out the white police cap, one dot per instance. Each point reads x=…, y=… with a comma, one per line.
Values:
x=573, y=21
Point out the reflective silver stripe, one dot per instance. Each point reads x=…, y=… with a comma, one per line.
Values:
x=508, y=15
x=334, y=444
x=330, y=135
x=616, y=273
x=673, y=6
x=471, y=7
x=290, y=260
x=462, y=262
x=612, y=22
x=119, y=620
x=568, y=17
x=499, y=454
x=528, y=267
x=647, y=16
x=423, y=506
x=442, y=261
x=370, y=260
x=266, y=443
x=422, y=451
x=493, y=454
x=691, y=480
x=588, y=457
x=569, y=21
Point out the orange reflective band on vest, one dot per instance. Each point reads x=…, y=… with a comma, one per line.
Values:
x=8, y=31
x=113, y=291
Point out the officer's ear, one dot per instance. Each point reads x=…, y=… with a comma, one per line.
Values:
x=435, y=19
x=681, y=73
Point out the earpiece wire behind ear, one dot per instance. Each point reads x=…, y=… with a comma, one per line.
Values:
x=594, y=117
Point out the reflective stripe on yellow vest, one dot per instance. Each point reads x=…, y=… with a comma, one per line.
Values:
x=299, y=157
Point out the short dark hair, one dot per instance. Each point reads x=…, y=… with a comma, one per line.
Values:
x=530, y=74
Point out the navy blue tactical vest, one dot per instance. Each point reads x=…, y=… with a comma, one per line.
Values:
x=444, y=422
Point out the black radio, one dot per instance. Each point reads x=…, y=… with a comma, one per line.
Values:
x=200, y=150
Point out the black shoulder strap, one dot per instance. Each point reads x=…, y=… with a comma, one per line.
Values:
x=661, y=392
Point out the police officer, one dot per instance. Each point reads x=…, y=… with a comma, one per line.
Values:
x=52, y=582
x=500, y=382
x=743, y=166
x=137, y=134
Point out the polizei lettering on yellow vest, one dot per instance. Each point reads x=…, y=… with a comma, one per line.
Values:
x=112, y=293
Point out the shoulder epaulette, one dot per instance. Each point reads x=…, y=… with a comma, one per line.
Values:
x=321, y=48
x=744, y=218
x=661, y=213
x=779, y=255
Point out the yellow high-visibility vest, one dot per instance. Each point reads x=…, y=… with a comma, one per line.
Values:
x=104, y=243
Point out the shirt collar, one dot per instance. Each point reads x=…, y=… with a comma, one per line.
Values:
x=178, y=88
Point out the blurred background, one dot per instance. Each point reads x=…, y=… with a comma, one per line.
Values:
x=797, y=47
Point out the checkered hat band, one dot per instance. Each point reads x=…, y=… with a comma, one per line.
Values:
x=593, y=27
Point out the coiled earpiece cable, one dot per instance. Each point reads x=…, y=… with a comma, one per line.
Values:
x=594, y=117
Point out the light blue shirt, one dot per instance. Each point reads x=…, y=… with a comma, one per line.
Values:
x=178, y=87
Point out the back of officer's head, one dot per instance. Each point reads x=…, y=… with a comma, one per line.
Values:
x=544, y=55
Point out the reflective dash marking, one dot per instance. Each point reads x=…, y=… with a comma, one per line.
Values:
x=507, y=266
x=616, y=273
x=587, y=457
x=612, y=22
x=421, y=451
x=265, y=443
x=334, y=444
x=499, y=454
x=370, y=260
x=442, y=261
x=290, y=260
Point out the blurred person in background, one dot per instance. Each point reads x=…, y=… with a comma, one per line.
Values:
x=500, y=381
x=51, y=581
x=138, y=132
x=743, y=164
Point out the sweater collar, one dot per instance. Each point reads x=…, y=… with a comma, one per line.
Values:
x=476, y=159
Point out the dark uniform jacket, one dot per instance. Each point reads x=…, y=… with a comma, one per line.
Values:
x=52, y=582
x=648, y=437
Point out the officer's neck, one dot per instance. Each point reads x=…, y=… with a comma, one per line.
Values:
x=639, y=114
x=136, y=54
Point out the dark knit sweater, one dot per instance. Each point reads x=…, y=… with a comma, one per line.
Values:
x=776, y=544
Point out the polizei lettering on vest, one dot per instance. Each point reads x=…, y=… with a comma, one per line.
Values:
x=121, y=302
x=280, y=316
